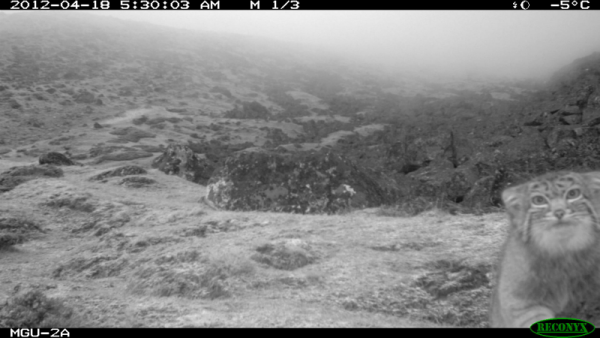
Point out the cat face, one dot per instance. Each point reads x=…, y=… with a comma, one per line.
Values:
x=555, y=210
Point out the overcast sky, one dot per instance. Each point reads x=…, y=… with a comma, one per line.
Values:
x=512, y=43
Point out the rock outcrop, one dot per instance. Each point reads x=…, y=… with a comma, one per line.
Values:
x=180, y=160
x=296, y=182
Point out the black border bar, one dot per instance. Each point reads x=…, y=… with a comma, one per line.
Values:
x=159, y=5
x=199, y=332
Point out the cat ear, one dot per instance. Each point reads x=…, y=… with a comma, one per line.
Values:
x=516, y=204
x=512, y=197
x=593, y=181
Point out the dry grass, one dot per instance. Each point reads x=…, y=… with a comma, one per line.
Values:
x=412, y=208
x=16, y=230
x=169, y=258
x=34, y=309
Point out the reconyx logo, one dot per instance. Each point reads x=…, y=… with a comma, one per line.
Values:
x=562, y=327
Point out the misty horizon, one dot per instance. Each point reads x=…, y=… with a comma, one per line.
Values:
x=461, y=43
x=498, y=44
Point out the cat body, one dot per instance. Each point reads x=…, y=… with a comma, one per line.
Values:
x=549, y=263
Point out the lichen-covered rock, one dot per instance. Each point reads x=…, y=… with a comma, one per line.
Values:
x=150, y=149
x=296, y=182
x=561, y=137
x=177, y=110
x=123, y=156
x=441, y=181
x=277, y=136
x=102, y=149
x=139, y=120
x=248, y=110
x=137, y=181
x=131, y=134
x=16, y=230
x=161, y=119
x=85, y=97
x=481, y=194
x=430, y=181
x=55, y=159
x=121, y=171
x=17, y=175
x=180, y=160
x=571, y=115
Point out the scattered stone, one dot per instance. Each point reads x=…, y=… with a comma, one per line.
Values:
x=121, y=171
x=287, y=255
x=97, y=125
x=132, y=134
x=481, y=194
x=452, y=277
x=60, y=140
x=249, y=110
x=593, y=122
x=85, y=97
x=18, y=226
x=137, y=182
x=55, y=159
x=92, y=266
x=177, y=110
x=560, y=137
x=150, y=149
x=76, y=202
x=160, y=120
x=79, y=157
x=139, y=120
x=222, y=90
x=101, y=149
x=124, y=156
x=17, y=175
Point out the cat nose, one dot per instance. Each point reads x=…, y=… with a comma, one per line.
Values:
x=559, y=213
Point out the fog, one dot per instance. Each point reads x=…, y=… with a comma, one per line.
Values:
x=496, y=43
x=512, y=44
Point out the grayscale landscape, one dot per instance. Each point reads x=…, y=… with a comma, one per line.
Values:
x=309, y=169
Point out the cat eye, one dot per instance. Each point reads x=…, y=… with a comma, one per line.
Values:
x=573, y=193
x=538, y=200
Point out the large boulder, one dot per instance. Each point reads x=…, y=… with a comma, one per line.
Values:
x=180, y=160
x=296, y=182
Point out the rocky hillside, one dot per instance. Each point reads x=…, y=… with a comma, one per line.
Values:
x=202, y=106
x=154, y=177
